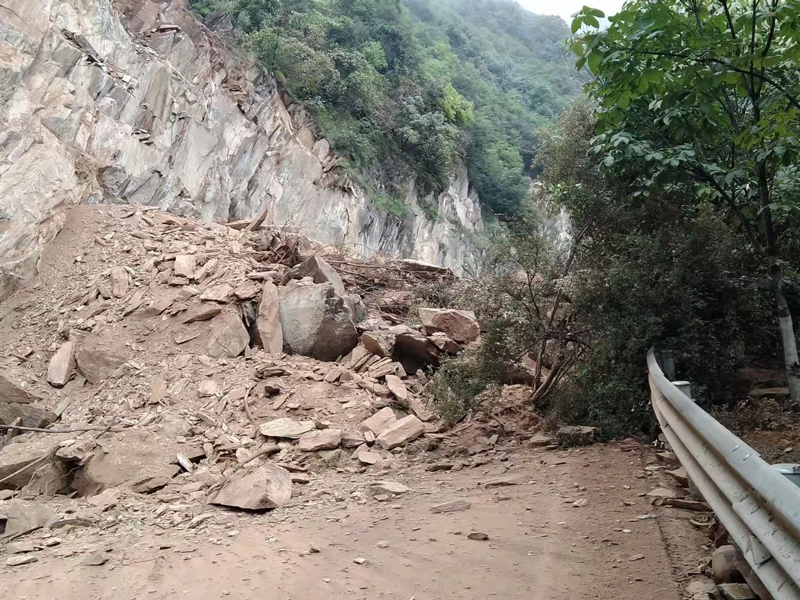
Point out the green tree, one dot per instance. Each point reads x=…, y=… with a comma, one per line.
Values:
x=701, y=97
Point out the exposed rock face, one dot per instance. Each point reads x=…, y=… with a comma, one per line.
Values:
x=100, y=105
x=316, y=321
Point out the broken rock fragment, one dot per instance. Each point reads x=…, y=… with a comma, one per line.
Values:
x=459, y=325
x=380, y=421
x=120, y=281
x=269, y=319
x=61, y=365
x=403, y=431
x=184, y=266
x=262, y=488
x=324, y=439
x=229, y=336
x=286, y=428
x=98, y=357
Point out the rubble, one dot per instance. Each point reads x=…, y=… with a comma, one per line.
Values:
x=99, y=356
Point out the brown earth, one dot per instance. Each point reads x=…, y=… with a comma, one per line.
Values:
x=540, y=546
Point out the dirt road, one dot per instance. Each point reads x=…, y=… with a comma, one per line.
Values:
x=541, y=546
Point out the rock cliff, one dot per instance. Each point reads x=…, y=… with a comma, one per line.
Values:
x=134, y=101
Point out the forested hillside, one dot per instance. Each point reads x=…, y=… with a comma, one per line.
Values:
x=414, y=88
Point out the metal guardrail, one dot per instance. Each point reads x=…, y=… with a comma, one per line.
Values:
x=758, y=506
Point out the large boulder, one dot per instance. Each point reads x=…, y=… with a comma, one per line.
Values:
x=228, y=335
x=316, y=322
x=269, y=319
x=262, y=488
x=459, y=325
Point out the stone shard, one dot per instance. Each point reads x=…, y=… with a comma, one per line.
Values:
x=397, y=387
x=323, y=439
x=365, y=457
x=316, y=322
x=61, y=365
x=320, y=272
x=380, y=421
x=269, y=319
x=352, y=439
x=120, y=281
x=459, y=325
x=737, y=591
x=380, y=343
x=184, y=266
x=218, y=293
x=286, y=428
x=262, y=488
x=451, y=506
x=18, y=454
x=387, y=487
x=98, y=357
x=11, y=391
x=22, y=516
x=539, y=440
x=403, y=431
x=228, y=334
x=202, y=311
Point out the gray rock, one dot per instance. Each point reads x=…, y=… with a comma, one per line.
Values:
x=723, y=565
x=737, y=591
x=184, y=266
x=380, y=343
x=61, y=365
x=380, y=421
x=320, y=272
x=120, y=281
x=21, y=559
x=459, y=325
x=316, y=322
x=98, y=357
x=324, y=439
x=269, y=319
x=403, y=431
x=22, y=515
x=387, y=487
x=576, y=435
x=262, y=488
x=286, y=428
x=451, y=506
x=228, y=334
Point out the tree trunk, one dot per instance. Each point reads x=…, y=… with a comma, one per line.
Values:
x=790, y=358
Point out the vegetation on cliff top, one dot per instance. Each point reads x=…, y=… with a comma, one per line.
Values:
x=417, y=87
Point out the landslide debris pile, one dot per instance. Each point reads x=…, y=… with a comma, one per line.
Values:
x=175, y=363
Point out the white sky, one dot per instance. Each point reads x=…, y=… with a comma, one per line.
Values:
x=566, y=8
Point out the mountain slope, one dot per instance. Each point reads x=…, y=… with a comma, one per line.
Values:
x=415, y=88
